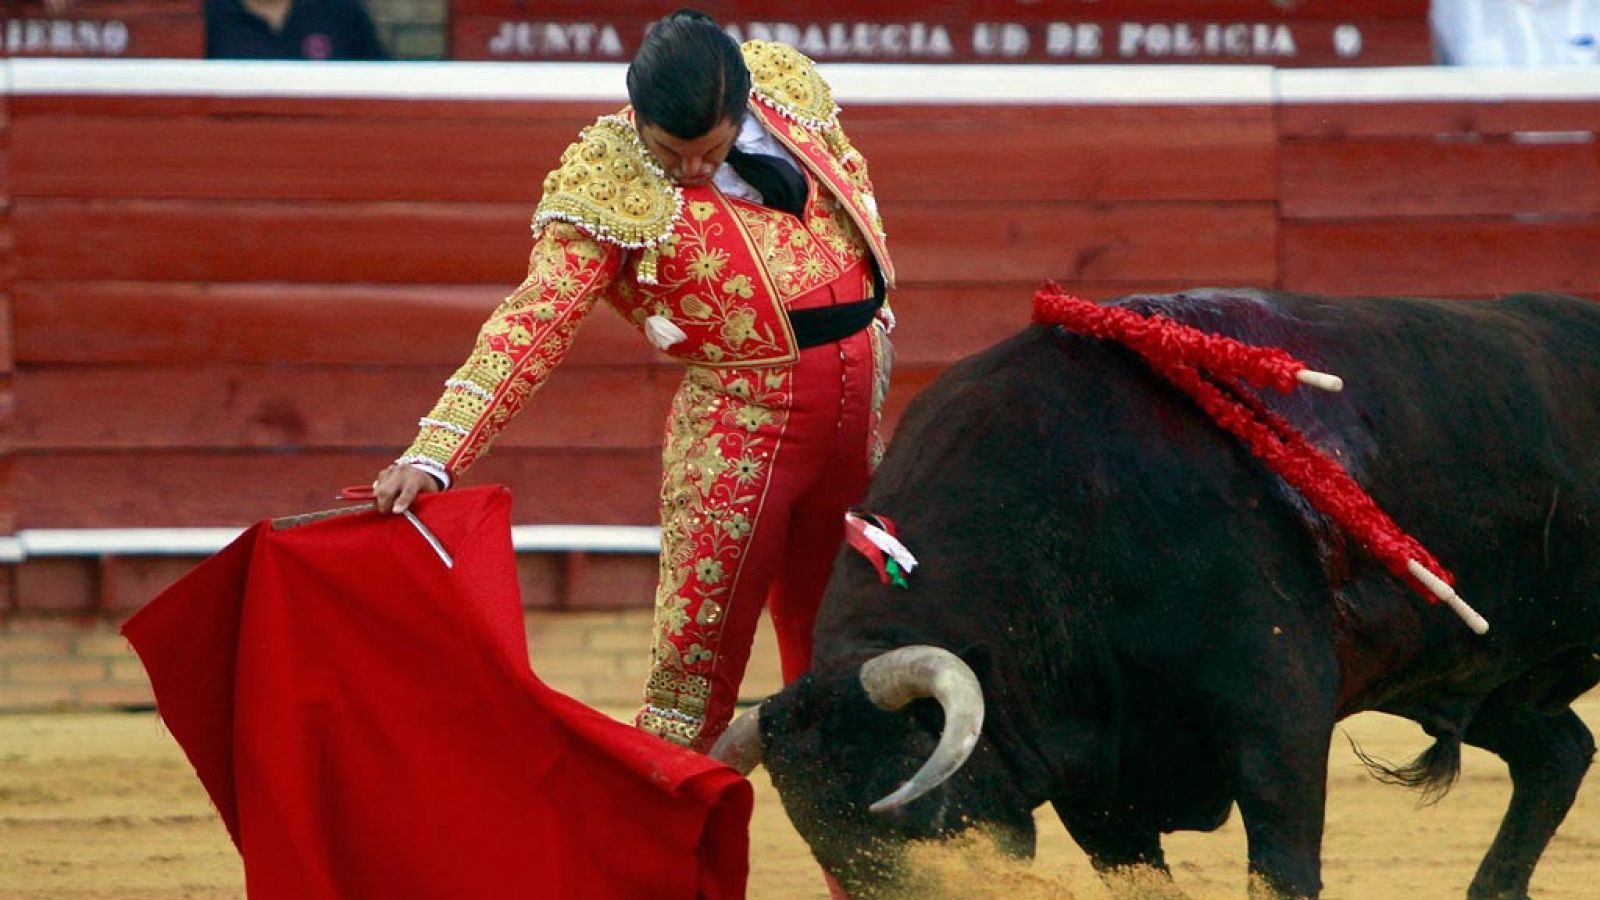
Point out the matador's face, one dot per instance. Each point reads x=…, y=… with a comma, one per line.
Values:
x=690, y=161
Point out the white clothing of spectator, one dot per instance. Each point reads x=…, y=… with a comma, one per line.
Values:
x=1516, y=32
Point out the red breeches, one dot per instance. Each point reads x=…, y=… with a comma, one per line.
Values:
x=760, y=465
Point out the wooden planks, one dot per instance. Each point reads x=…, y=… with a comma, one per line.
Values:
x=1472, y=257
x=285, y=158
x=481, y=244
x=224, y=406
x=1454, y=198
x=118, y=409
x=1131, y=242
x=329, y=399
x=388, y=243
x=1416, y=177
x=226, y=308
x=1101, y=154
x=344, y=324
x=8, y=250
x=135, y=488
x=7, y=344
x=1443, y=117
x=1108, y=153
x=424, y=327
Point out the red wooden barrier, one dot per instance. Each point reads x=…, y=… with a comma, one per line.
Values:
x=7, y=240
x=1453, y=198
x=1445, y=117
x=1188, y=152
x=201, y=487
x=231, y=152
x=331, y=324
x=1312, y=33
x=7, y=357
x=147, y=240
x=427, y=327
x=225, y=308
x=105, y=28
x=1426, y=176
x=482, y=244
x=1221, y=152
x=223, y=406
x=1469, y=257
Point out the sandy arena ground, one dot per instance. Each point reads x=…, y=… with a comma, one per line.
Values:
x=105, y=806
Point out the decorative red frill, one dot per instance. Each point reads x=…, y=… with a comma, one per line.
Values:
x=1210, y=369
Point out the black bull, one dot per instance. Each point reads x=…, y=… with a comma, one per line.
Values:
x=1162, y=628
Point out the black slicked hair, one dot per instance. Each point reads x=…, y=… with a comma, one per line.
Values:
x=688, y=76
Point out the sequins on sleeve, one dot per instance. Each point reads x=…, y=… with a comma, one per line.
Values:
x=523, y=340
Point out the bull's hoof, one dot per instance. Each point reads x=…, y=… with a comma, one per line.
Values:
x=1262, y=888
x=1141, y=883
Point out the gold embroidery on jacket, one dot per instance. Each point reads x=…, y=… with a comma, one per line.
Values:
x=832, y=225
x=698, y=285
x=796, y=260
x=610, y=185
x=787, y=80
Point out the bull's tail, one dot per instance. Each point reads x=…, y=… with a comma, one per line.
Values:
x=1433, y=772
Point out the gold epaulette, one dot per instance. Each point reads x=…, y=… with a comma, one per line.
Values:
x=610, y=186
x=787, y=80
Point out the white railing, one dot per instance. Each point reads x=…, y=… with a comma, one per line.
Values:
x=43, y=542
x=853, y=83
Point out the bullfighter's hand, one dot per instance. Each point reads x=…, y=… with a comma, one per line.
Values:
x=397, y=486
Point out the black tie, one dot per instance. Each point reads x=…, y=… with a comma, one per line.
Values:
x=780, y=185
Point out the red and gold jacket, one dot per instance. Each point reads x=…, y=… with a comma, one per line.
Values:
x=720, y=270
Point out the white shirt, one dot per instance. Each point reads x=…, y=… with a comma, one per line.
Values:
x=1517, y=32
x=752, y=138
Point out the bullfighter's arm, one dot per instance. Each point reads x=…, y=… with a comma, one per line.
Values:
x=521, y=343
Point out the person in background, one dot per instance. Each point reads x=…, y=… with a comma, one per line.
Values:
x=728, y=218
x=291, y=29
x=1516, y=32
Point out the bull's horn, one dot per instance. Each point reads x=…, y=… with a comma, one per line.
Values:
x=740, y=745
x=900, y=676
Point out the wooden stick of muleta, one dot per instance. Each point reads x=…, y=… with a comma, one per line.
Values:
x=286, y=522
x=1322, y=381
x=1448, y=596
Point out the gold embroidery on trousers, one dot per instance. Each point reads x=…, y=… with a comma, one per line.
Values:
x=716, y=463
